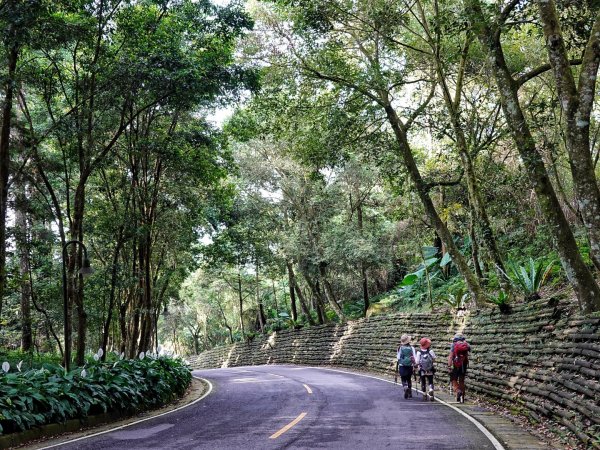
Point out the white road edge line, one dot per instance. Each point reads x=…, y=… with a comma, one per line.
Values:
x=308, y=389
x=210, y=388
x=497, y=445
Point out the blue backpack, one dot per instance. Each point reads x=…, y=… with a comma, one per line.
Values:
x=406, y=358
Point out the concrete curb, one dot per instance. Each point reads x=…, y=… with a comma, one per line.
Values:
x=46, y=432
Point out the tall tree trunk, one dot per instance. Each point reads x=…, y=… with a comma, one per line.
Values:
x=320, y=304
x=123, y=328
x=75, y=277
x=22, y=242
x=423, y=193
x=329, y=294
x=275, y=295
x=304, y=304
x=577, y=272
x=295, y=288
x=225, y=319
x=240, y=300
x=112, y=295
x=292, y=284
x=474, y=247
x=146, y=321
x=363, y=266
x=452, y=103
x=316, y=292
x=577, y=103
x=261, y=312
x=9, y=87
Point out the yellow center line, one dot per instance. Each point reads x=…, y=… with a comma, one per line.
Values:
x=307, y=388
x=288, y=426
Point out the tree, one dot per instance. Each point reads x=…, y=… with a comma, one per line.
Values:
x=489, y=34
x=116, y=65
x=352, y=52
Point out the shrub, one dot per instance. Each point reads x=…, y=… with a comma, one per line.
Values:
x=48, y=394
x=30, y=360
x=502, y=300
x=530, y=279
x=458, y=301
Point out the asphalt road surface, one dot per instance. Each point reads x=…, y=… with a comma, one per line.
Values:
x=294, y=407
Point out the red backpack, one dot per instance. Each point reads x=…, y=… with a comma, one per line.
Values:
x=461, y=354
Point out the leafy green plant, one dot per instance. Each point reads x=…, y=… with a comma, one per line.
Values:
x=457, y=301
x=530, y=279
x=30, y=360
x=48, y=394
x=502, y=300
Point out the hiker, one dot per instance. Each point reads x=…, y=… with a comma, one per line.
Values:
x=406, y=361
x=424, y=359
x=458, y=361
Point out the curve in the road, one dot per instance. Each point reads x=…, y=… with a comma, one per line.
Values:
x=111, y=430
x=298, y=407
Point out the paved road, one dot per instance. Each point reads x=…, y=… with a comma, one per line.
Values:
x=275, y=407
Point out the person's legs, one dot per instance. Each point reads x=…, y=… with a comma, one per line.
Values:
x=423, y=385
x=405, y=373
x=430, y=380
x=405, y=385
x=455, y=379
x=461, y=387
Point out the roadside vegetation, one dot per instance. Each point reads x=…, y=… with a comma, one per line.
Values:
x=48, y=394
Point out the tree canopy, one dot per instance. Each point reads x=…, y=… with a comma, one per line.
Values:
x=379, y=156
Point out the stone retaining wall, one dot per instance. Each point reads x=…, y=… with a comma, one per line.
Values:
x=542, y=358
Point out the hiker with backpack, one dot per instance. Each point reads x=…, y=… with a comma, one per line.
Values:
x=458, y=362
x=424, y=360
x=406, y=360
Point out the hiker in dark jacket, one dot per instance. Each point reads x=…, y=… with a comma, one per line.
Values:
x=406, y=361
x=458, y=362
x=424, y=359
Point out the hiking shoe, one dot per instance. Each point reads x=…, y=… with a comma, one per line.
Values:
x=430, y=393
x=405, y=393
x=410, y=393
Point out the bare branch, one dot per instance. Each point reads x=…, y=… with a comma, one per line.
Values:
x=540, y=70
x=507, y=10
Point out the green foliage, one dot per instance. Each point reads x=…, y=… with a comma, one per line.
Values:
x=529, y=279
x=48, y=394
x=502, y=300
x=30, y=360
x=457, y=301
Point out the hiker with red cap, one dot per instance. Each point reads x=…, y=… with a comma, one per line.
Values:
x=458, y=361
x=424, y=360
